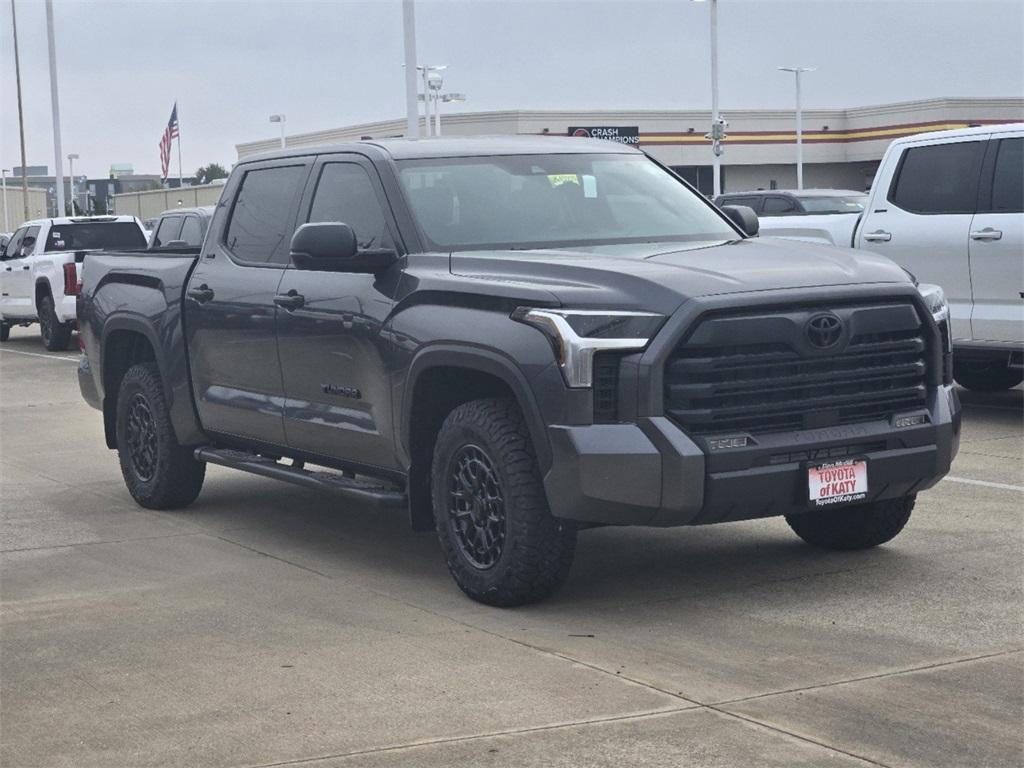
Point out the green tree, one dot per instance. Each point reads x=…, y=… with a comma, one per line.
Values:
x=208, y=173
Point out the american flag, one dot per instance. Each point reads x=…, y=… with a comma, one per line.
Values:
x=170, y=133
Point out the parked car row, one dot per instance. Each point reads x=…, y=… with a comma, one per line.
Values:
x=39, y=264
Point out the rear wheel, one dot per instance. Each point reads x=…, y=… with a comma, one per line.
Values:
x=860, y=527
x=56, y=335
x=159, y=473
x=985, y=375
x=501, y=543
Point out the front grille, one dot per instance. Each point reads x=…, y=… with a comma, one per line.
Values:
x=776, y=382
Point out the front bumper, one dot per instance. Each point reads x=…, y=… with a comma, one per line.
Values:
x=651, y=473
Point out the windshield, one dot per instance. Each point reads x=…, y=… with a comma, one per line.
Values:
x=851, y=204
x=553, y=201
x=103, y=236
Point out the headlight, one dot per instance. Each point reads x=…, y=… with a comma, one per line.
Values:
x=935, y=299
x=577, y=334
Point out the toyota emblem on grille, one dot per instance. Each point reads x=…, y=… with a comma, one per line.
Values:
x=824, y=331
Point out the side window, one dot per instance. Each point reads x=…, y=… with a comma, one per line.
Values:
x=191, y=232
x=777, y=205
x=28, y=244
x=750, y=202
x=942, y=178
x=167, y=230
x=1008, y=181
x=260, y=229
x=345, y=193
x=11, y=251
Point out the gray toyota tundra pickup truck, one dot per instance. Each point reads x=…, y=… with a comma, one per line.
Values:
x=516, y=339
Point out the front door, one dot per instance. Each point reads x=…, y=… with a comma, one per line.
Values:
x=229, y=304
x=997, y=245
x=923, y=224
x=18, y=293
x=334, y=363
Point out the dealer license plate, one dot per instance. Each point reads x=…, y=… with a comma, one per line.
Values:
x=838, y=482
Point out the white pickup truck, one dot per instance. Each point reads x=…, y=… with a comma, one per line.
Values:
x=823, y=216
x=39, y=270
x=948, y=206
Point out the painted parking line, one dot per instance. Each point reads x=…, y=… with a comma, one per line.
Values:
x=986, y=483
x=36, y=354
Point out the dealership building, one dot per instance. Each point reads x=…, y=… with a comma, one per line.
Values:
x=842, y=147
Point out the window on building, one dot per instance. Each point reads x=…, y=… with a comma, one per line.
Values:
x=345, y=193
x=260, y=229
x=1008, y=181
x=941, y=178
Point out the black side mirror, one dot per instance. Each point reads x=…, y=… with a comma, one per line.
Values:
x=743, y=216
x=331, y=246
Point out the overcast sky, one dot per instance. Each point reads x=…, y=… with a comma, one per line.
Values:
x=325, y=64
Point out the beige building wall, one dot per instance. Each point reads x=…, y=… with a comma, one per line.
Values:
x=150, y=204
x=842, y=147
x=15, y=205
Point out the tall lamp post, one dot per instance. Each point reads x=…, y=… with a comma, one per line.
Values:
x=431, y=84
x=55, y=106
x=279, y=119
x=71, y=172
x=799, y=124
x=7, y=223
x=717, y=124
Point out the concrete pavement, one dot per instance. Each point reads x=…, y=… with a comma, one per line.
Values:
x=268, y=625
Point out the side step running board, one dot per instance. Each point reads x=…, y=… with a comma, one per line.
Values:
x=358, y=490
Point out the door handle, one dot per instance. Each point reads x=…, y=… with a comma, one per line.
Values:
x=202, y=294
x=291, y=300
x=8, y=269
x=987, y=234
x=26, y=267
x=878, y=236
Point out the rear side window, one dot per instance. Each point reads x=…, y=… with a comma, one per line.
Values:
x=776, y=206
x=1008, y=181
x=942, y=178
x=260, y=229
x=103, y=236
x=191, y=232
x=167, y=231
x=345, y=193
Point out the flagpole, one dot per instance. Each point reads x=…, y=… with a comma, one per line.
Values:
x=181, y=181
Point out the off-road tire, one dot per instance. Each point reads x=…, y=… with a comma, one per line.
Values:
x=859, y=527
x=164, y=475
x=985, y=375
x=5, y=331
x=55, y=334
x=536, y=549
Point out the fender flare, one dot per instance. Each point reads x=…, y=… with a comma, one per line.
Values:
x=484, y=360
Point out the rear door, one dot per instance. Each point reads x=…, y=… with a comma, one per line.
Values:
x=921, y=221
x=229, y=304
x=334, y=362
x=20, y=289
x=996, y=244
x=11, y=268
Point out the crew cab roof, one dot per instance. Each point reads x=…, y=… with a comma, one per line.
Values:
x=461, y=146
x=978, y=130
x=205, y=211
x=63, y=221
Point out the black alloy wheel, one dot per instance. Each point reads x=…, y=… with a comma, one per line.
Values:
x=141, y=434
x=476, y=506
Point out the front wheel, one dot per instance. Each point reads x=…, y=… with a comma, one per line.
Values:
x=859, y=527
x=985, y=375
x=501, y=543
x=159, y=473
x=56, y=335
x=5, y=331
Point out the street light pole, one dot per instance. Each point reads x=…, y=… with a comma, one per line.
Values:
x=55, y=104
x=716, y=133
x=71, y=172
x=412, y=111
x=7, y=223
x=431, y=87
x=21, y=115
x=799, y=124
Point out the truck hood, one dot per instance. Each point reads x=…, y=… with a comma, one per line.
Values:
x=659, y=277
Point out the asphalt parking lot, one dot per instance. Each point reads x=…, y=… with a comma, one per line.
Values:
x=267, y=626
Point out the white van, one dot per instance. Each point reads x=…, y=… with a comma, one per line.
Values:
x=949, y=207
